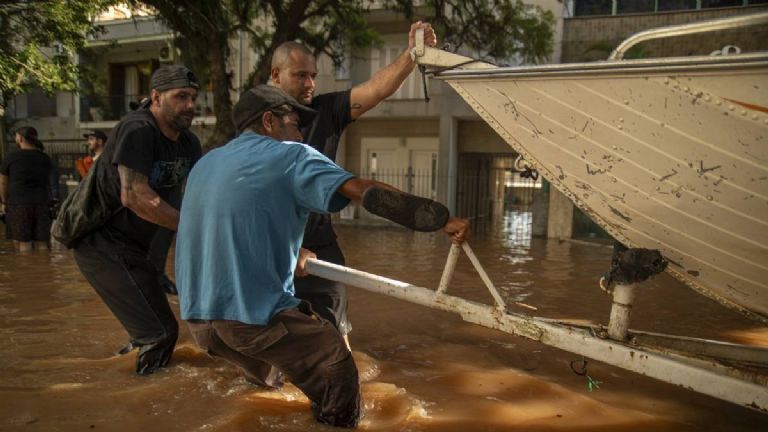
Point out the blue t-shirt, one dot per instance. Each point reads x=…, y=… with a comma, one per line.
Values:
x=242, y=222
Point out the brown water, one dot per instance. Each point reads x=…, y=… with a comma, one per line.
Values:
x=422, y=370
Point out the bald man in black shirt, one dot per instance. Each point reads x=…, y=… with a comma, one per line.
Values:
x=294, y=69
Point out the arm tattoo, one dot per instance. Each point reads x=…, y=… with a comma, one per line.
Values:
x=129, y=177
x=356, y=106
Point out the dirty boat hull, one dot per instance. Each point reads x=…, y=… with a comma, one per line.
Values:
x=669, y=155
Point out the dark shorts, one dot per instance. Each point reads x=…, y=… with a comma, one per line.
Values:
x=27, y=222
x=328, y=298
x=296, y=342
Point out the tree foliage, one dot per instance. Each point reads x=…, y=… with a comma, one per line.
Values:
x=205, y=28
x=496, y=29
x=38, y=40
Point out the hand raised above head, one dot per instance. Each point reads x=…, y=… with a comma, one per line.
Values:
x=430, y=38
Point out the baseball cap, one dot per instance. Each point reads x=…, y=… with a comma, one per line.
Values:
x=262, y=98
x=172, y=77
x=96, y=133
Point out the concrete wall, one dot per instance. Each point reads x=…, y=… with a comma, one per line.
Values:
x=582, y=33
x=476, y=136
x=380, y=128
x=61, y=126
x=132, y=29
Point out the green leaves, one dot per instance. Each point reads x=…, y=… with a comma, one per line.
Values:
x=502, y=30
x=38, y=40
x=206, y=29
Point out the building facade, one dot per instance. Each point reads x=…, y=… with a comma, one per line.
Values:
x=438, y=148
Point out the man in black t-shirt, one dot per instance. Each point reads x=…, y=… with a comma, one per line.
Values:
x=294, y=69
x=147, y=159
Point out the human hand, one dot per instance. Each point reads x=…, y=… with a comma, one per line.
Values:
x=457, y=229
x=301, y=264
x=430, y=38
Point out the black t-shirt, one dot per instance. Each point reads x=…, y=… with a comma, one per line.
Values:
x=28, y=174
x=333, y=116
x=137, y=143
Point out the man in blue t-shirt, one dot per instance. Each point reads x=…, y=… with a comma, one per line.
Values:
x=239, y=246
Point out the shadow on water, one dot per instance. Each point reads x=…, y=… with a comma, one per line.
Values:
x=422, y=370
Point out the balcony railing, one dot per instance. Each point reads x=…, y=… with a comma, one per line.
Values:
x=105, y=108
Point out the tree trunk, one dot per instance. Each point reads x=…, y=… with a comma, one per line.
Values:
x=220, y=82
x=3, y=124
x=287, y=29
x=2, y=136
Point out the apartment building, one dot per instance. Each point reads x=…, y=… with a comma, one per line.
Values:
x=438, y=148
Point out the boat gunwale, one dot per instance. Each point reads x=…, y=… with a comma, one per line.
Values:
x=655, y=66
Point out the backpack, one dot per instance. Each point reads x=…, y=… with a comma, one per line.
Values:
x=92, y=204
x=87, y=208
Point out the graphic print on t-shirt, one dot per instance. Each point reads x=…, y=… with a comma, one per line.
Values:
x=169, y=174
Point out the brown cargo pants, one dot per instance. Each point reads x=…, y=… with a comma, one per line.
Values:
x=298, y=343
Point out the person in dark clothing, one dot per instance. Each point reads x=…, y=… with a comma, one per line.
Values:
x=149, y=156
x=26, y=192
x=294, y=69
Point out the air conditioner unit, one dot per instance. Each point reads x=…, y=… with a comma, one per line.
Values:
x=166, y=53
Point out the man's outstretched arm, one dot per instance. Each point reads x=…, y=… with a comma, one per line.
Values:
x=414, y=212
x=386, y=81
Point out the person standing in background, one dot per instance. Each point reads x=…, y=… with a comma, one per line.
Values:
x=26, y=192
x=96, y=142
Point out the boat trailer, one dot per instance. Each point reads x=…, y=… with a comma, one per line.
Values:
x=731, y=372
x=701, y=365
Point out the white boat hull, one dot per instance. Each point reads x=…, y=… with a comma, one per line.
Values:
x=667, y=155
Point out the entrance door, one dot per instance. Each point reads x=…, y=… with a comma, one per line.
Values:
x=422, y=173
x=382, y=166
x=409, y=164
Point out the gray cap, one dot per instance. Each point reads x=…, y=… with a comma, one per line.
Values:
x=262, y=98
x=172, y=77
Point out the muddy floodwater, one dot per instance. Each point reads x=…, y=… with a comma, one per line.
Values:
x=421, y=369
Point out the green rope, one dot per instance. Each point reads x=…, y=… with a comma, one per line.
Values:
x=582, y=371
x=592, y=384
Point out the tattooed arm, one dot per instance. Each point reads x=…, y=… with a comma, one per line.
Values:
x=386, y=81
x=137, y=195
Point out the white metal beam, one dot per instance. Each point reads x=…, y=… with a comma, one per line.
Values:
x=665, y=368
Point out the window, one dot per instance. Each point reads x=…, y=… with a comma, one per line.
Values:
x=620, y=7
x=635, y=6
x=672, y=5
x=381, y=57
x=721, y=3
x=39, y=104
x=594, y=7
